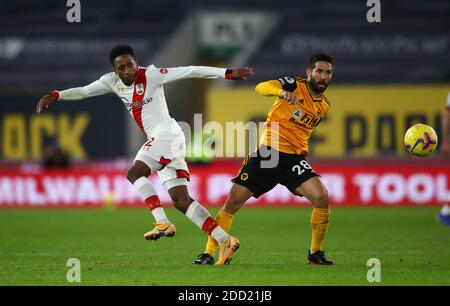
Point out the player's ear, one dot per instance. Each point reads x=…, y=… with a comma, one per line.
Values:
x=308, y=72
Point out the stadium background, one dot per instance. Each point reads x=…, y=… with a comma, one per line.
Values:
x=387, y=76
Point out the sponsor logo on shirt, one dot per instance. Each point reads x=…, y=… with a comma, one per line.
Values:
x=129, y=105
x=163, y=70
x=305, y=120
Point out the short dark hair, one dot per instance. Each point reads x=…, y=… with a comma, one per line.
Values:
x=319, y=57
x=120, y=50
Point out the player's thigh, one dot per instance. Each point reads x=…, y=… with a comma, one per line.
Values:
x=254, y=177
x=175, y=173
x=294, y=171
x=164, y=147
x=237, y=197
x=151, y=155
x=174, y=177
x=315, y=191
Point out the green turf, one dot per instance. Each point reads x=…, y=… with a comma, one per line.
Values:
x=414, y=249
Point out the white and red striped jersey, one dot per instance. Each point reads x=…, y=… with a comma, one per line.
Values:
x=144, y=99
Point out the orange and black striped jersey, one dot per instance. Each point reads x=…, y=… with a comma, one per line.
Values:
x=289, y=126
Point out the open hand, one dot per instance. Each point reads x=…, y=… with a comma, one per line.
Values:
x=44, y=102
x=242, y=73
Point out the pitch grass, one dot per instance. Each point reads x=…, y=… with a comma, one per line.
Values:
x=413, y=248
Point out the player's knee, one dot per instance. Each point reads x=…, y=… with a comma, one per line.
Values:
x=322, y=200
x=138, y=170
x=132, y=176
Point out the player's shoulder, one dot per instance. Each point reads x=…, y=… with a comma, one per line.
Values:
x=299, y=79
x=151, y=67
x=326, y=100
x=156, y=72
x=109, y=78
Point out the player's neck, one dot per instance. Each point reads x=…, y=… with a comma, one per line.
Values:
x=126, y=83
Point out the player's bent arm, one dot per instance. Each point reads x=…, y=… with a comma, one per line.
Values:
x=269, y=88
x=274, y=88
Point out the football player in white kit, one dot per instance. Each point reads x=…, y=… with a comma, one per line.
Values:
x=141, y=90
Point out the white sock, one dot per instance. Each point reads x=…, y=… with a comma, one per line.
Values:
x=202, y=218
x=146, y=190
x=160, y=215
x=220, y=235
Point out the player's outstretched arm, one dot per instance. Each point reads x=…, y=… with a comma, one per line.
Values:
x=166, y=75
x=96, y=88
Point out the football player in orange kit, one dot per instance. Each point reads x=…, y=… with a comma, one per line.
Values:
x=299, y=107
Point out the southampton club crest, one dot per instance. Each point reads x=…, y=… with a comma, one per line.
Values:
x=140, y=88
x=297, y=113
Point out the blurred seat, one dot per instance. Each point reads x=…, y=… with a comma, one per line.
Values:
x=39, y=48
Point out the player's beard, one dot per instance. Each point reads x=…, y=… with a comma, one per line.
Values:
x=315, y=86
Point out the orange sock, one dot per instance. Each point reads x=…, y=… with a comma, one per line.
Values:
x=319, y=225
x=225, y=220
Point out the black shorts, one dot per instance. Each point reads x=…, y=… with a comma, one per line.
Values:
x=262, y=170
